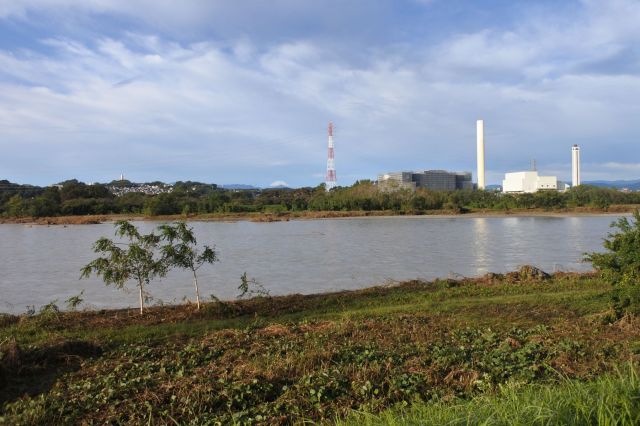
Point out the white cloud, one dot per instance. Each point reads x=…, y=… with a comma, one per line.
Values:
x=219, y=110
x=278, y=183
x=635, y=167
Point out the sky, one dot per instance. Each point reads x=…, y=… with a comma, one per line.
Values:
x=241, y=91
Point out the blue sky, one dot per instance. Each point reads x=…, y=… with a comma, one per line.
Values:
x=241, y=91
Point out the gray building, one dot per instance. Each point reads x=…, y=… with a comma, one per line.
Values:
x=400, y=180
x=435, y=180
x=464, y=180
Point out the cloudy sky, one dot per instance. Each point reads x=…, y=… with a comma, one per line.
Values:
x=241, y=91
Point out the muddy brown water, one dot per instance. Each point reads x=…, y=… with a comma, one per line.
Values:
x=40, y=264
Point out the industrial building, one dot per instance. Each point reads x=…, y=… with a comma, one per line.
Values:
x=436, y=180
x=529, y=182
x=514, y=183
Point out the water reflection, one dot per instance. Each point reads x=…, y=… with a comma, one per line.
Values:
x=481, y=245
x=41, y=264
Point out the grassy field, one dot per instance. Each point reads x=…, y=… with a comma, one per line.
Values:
x=515, y=349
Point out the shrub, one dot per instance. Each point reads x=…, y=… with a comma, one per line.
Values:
x=620, y=264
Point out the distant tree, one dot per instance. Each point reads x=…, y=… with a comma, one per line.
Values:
x=120, y=183
x=131, y=202
x=620, y=264
x=161, y=204
x=135, y=261
x=213, y=202
x=15, y=207
x=73, y=189
x=549, y=199
x=181, y=250
x=42, y=206
x=98, y=191
x=194, y=188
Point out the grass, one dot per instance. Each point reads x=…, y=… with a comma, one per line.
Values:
x=613, y=399
x=564, y=294
x=427, y=346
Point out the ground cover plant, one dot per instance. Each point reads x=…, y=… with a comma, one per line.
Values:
x=284, y=360
x=609, y=400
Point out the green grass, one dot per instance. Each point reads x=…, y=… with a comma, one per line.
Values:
x=582, y=296
x=613, y=399
x=291, y=359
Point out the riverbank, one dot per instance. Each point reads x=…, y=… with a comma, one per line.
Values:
x=306, y=215
x=285, y=359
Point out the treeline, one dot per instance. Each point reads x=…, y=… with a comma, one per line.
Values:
x=365, y=196
x=76, y=198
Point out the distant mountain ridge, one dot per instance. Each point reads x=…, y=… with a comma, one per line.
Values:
x=617, y=184
x=239, y=186
x=234, y=186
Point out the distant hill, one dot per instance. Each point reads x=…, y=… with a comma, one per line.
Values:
x=238, y=186
x=617, y=184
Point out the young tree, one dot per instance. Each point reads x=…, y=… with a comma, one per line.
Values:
x=181, y=250
x=620, y=264
x=135, y=261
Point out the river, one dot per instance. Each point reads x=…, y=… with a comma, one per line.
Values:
x=40, y=264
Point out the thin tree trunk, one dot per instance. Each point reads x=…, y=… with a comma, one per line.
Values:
x=141, y=299
x=195, y=283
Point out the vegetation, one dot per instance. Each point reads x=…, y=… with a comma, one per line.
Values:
x=144, y=258
x=609, y=400
x=439, y=349
x=187, y=198
x=620, y=265
x=181, y=251
x=138, y=262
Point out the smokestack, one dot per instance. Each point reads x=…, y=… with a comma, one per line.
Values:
x=575, y=165
x=480, y=156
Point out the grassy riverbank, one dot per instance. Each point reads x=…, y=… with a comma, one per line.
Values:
x=424, y=346
x=611, y=399
x=301, y=215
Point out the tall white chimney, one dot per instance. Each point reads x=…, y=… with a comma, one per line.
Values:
x=480, y=155
x=575, y=165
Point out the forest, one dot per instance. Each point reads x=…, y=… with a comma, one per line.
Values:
x=74, y=198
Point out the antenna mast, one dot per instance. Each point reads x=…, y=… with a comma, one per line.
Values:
x=330, y=181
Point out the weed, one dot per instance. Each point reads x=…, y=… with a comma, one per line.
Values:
x=317, y=358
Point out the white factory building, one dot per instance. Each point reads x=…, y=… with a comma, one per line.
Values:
x=529, y=182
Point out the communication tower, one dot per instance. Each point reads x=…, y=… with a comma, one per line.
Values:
x=330, y=181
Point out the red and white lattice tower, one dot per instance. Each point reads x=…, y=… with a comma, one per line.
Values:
x=330, y=181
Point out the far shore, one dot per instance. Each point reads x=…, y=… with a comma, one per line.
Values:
x=613, y=210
